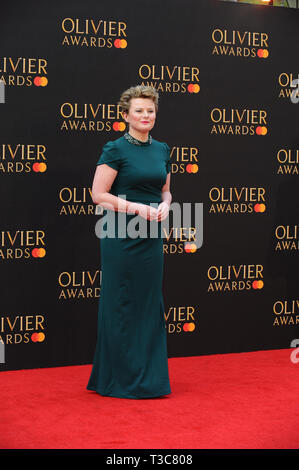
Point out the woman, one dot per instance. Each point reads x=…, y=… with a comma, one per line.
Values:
x=133, y=172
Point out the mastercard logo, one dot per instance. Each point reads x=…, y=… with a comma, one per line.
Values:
x=120, y=43
x=193, y=88
x=192, y=168
x=37, y=337
x=258, y=284
x=259, y=207
x=38, y=252
x=40, y=81
x=119, y=126
x=39, y=167
x=263, y=53
x=190, y=247
x=189, y=326
x=261, y=130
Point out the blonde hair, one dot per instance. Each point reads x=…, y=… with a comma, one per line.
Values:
x=139, y=91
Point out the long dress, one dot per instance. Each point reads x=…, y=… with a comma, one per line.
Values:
x=130, y=359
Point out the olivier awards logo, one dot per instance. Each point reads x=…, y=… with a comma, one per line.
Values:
x=237, y=43
x=286, y=312
x=23, y=71
x=170, y=78
x=98, y=33
x=230, y=278
x=182, y=231
x=233, y=200
x=181, y=319
x=286, y=237
x=287, y=161
x=180, y=240
x=88, y=117
x=22, y=328
x=76, y=201
x=79, y=285
x=243, y=122
x=288, y=86
x=23, y=158
x=22, y=244
x=184, y=160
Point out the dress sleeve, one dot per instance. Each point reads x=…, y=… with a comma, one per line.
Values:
x=167, y=158
x=109, y=156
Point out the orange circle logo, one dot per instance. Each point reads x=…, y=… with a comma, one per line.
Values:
x=38, y=252
x=193, y=88
x=40, y=81
x=120, y=43
x=39, y=167
x=259, y=207
x=258, y=284
x=263, y=53
x=42, y=167
x=189, y=326
x=192, y=168
x=261, y=130
x=119, y=126
x=190, y=247
x=37, y=337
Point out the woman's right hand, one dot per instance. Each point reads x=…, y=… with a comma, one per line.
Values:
x=147, y=212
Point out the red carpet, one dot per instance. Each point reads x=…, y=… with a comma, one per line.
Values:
x=231, y=401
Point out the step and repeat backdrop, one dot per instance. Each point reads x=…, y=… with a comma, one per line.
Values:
x=227, y=78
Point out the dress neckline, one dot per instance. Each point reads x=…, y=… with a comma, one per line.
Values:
x=134, y=141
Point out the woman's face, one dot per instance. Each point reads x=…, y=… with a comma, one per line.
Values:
x=142, y=114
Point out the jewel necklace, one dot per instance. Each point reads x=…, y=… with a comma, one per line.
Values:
x=134, y=141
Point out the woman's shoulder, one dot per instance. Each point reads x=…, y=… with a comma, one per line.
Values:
x=114, y=145
x=163, y=145
x=111, y=154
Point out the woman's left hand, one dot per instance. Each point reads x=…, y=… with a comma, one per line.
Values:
x=163, y=210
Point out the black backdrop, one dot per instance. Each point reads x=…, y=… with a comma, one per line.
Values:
x=64, y=70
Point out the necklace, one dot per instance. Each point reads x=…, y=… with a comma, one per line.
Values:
x=134, y=141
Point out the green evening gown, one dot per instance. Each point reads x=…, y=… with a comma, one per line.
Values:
x=131, y=359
